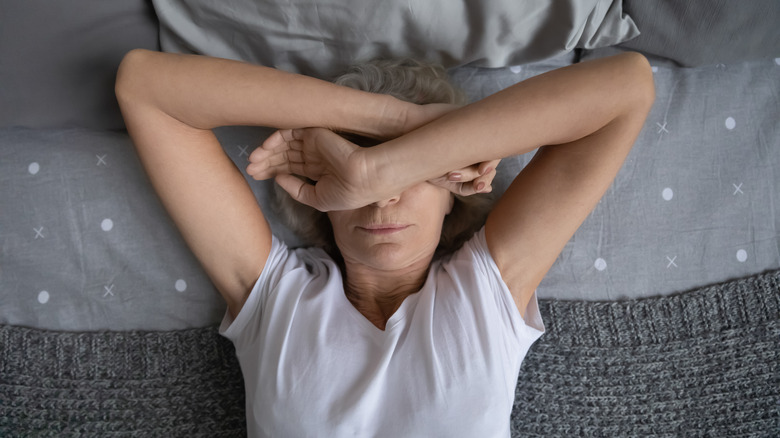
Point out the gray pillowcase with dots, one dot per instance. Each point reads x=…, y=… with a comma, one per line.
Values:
x=86, y=245
x=85, y=242
x=698, y=199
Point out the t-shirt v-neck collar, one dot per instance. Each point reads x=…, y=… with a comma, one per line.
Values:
x=395, y=319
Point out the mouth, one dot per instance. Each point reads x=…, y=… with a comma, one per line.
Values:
x=383, y=228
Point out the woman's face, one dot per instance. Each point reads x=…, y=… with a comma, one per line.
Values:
x=394, y=233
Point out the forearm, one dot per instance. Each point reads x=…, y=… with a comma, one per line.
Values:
x=554, y=108
x=208, y=92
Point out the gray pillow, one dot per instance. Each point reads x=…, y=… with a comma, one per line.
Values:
x=321, y=39
x=85, y=244
x=701, y=32
x=58, y=60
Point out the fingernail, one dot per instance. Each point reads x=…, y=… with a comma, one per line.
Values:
x=480, y=186
x=488, y=170
x=455, y=176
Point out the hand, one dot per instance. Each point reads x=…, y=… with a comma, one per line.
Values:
x=477, y=178
x=341, y=170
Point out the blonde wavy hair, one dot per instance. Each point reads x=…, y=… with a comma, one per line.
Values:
x=411, y=81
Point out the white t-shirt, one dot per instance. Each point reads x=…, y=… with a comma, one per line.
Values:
x=445, y=365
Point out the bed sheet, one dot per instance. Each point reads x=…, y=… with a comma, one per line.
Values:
x=86, y=244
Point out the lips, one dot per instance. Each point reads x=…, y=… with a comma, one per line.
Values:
x=383, y=228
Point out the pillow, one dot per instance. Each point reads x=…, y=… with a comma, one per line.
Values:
x=700, y=32
x=58, y=60
x=323, y=38
x=85, y=243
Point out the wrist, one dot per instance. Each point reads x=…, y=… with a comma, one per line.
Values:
x=395, y=117
x=388, y=174
x=377, y=116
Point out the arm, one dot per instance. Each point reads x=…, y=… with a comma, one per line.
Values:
x=588, y=114
x=170, y=103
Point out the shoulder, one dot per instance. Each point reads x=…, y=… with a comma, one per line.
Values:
x=474, y=256
x=288, y=274
x=306, y=261
x=289, y=268
x=471, y=273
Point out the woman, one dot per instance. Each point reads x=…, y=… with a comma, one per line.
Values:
x=386, y=341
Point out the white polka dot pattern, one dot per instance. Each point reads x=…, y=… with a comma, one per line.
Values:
x=706, y=157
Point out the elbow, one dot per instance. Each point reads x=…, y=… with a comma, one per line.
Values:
x=643, y=85
x=633, y=87
x=128, y=75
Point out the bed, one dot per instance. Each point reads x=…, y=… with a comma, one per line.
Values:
x=663, y=311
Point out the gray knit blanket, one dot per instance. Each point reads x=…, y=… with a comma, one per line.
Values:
x=701, y=363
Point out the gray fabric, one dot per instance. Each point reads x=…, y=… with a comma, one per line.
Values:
x=711, y=146
x=723, y=184
x=701, y=32
x=85, y=243
x=721, y=219
x=129, y=384
x=58, y=60
x=323, y=38
x=702, y=363
x=64, y=266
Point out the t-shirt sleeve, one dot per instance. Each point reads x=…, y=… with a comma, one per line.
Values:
x=494, y=294
x=245, y=326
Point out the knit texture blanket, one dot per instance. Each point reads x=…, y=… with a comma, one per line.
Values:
x=701, y=363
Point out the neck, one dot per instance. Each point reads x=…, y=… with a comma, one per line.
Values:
x=377, y=294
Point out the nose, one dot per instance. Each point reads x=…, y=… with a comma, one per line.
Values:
x=385, y=202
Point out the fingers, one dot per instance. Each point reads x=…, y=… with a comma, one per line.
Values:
x=280, y=141
x=487, y=172
x=266, y=165
x=288, y=162
x=298, y=190
x=477, y=178
x=480, y=185
x=283, y=137
x=473, y=172
x=268, y=155
x=468, y=188
x=319, y=154
x=483, y=183
x=280, y=153
x=487, y=166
